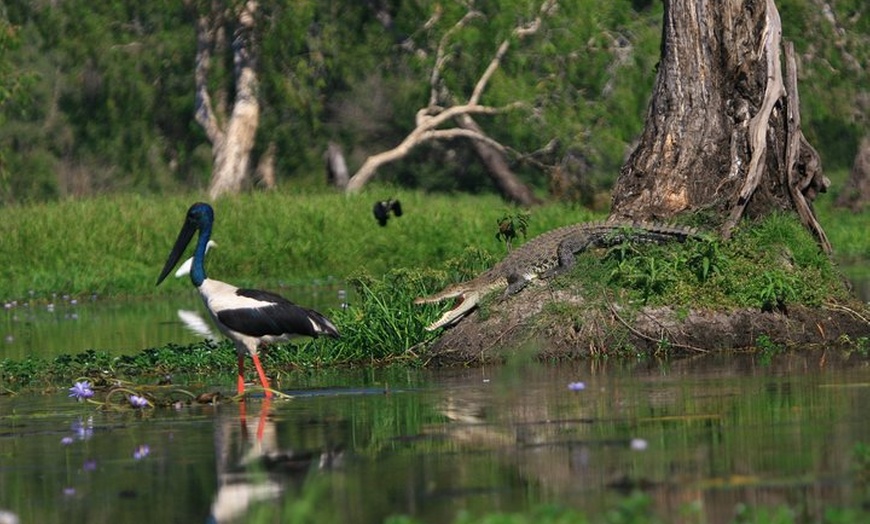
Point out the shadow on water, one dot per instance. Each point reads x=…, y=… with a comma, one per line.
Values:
x=698, y=437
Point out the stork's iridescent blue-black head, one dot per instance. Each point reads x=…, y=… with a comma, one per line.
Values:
x=199, y=217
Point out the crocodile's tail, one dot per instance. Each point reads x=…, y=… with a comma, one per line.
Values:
x=646, y=232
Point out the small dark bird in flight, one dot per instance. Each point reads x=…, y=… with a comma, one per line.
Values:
x=383, y=208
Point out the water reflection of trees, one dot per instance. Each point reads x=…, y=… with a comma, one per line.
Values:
x=701, y=435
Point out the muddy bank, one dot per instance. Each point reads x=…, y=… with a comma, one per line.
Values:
x=562, y=324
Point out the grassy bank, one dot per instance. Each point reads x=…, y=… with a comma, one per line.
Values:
x=117, y=245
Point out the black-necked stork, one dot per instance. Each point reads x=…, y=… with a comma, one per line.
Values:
x=249, y=317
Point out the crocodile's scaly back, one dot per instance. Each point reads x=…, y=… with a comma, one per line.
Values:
x=546, y=255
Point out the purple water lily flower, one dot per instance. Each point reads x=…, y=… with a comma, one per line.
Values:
x=66, y=441
x=81, y=391
x=141, y=451
x=138, y=402
x=577, y=386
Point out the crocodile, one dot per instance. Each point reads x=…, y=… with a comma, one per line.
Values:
x=545, y=256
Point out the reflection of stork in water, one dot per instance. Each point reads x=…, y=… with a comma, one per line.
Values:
x=252, y=470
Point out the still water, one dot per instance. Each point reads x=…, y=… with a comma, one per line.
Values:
x=66, y=325
x=698, y=436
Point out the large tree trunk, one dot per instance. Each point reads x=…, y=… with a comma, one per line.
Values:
x=232, y=136
x=723, y=129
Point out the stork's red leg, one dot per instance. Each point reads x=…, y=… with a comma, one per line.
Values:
x=263, y=380
x=241, y=381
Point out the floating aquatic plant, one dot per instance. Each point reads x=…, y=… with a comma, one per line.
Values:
x=123, y=395
x=81, y=391
x=141, y=451
x=577, y=386
x=138, y=402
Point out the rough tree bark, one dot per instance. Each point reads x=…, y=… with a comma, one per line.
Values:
x=231, y=135
x=723, y=127
x=443, y=108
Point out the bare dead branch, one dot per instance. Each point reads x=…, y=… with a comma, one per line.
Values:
x=442, y=57
x=429, y=118
x=769, y=47
x=796, y=141
x=523, y=31
x=425, y=131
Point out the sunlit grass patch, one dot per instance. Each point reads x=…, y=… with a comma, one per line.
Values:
x=767, y=265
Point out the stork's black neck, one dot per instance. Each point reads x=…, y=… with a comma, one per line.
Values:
x=197, y=270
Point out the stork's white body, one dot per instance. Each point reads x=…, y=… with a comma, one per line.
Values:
x=251, y=318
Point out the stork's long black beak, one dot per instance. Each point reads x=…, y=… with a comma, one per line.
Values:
x=184, y=237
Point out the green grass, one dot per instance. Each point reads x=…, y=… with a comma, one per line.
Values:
x=766, y=265
x=117, y=245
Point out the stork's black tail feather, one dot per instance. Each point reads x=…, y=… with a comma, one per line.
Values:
x=325, y=328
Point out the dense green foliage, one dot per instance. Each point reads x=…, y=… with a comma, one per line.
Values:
x=109, y=101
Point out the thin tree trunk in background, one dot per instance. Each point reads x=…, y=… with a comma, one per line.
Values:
x=232, y=136
x=266, y=167
x=720, y=124
x=336, y=168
